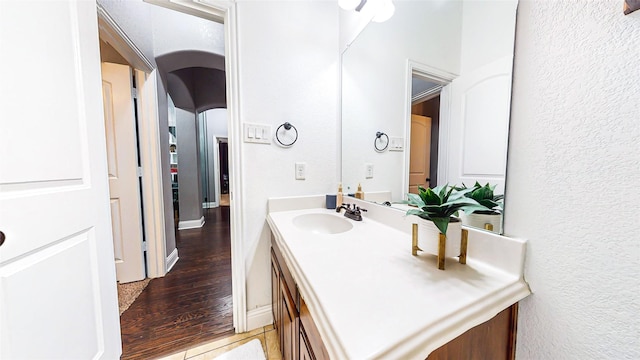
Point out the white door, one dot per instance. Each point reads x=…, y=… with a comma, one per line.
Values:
x=122, y=160
x=58, y=295
x=479, y=125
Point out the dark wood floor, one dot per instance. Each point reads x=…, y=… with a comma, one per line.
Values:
x=192, y=303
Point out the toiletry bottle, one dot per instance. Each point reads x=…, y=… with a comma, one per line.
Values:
x=360, y=193
x=339, y=196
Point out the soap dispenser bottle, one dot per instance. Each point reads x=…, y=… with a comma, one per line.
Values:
x=360, y=193
x=339, y=196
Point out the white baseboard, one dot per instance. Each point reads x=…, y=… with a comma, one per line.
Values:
x=259, y=317
x=172, y=259
x=210, y=205
x=191, y=224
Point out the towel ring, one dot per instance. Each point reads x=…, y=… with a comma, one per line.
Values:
x=287, y=126
x=378, y=138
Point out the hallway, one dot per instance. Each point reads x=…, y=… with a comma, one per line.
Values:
x=192, y=304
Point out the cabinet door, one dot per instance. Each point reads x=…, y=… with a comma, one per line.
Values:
x=275, y=293
x=288, y=315
x=305, y=348
x=494, y=339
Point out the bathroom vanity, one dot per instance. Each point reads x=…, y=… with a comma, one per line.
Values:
x=345, y=289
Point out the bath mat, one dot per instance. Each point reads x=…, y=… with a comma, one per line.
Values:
x=127, y=293
x=249, y=351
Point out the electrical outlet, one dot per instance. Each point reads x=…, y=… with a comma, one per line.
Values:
x=301, y=170
x=368, y=171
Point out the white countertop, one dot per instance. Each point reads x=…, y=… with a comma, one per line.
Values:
x=370, y=298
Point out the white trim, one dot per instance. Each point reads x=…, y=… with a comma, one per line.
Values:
x=426, y=95
x=118, y=39
x=191, y=224
x=225, y=10
x=443, y=135
x=236, y=179
x=443, y=78
x=213, y=10
x=259, y=317
x=172, y=259
x=210, y=205
x=152, y=192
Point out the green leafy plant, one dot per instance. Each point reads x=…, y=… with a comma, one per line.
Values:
x=440, y=204
x=484, y=195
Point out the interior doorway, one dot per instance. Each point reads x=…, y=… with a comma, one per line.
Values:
x=427, y=116
x=197, y=299
x=425, y=127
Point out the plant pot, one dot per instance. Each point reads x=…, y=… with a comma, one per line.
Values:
x=429, y=236
x=480, y=221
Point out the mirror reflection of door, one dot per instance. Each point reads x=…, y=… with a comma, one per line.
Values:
x=424, y=139
x=420, y=152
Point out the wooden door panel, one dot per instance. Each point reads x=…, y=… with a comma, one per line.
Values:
x=420, y=152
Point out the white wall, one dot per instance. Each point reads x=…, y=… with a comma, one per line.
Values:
x=374, y=83
x=574, y=165
x=487, y=32
x=288, y=72
x=217, y=122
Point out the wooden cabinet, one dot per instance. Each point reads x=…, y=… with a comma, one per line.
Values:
x=300, y=338
x=494, y=339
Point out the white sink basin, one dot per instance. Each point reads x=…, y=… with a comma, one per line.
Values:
x=322, y=223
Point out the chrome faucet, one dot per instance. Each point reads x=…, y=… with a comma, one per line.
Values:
x=353, y=212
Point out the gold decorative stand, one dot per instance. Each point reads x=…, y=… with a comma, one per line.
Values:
x=414, y=240
x=442, y=246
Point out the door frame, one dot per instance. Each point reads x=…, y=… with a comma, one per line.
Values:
x=149, y=137
x=441, y=77
x=224, y=11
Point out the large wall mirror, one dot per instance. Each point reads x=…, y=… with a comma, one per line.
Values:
x=426, y=98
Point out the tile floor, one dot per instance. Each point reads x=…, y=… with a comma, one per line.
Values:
x=207, y=351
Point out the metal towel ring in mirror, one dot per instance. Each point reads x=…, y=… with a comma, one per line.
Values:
x=379, y=139
x=284, y=137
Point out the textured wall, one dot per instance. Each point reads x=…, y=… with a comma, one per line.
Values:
x=574, y=164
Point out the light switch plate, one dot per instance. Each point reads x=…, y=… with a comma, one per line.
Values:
x=396, y=144
x=368, y=171
x=301, y=171
x=257, y=133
